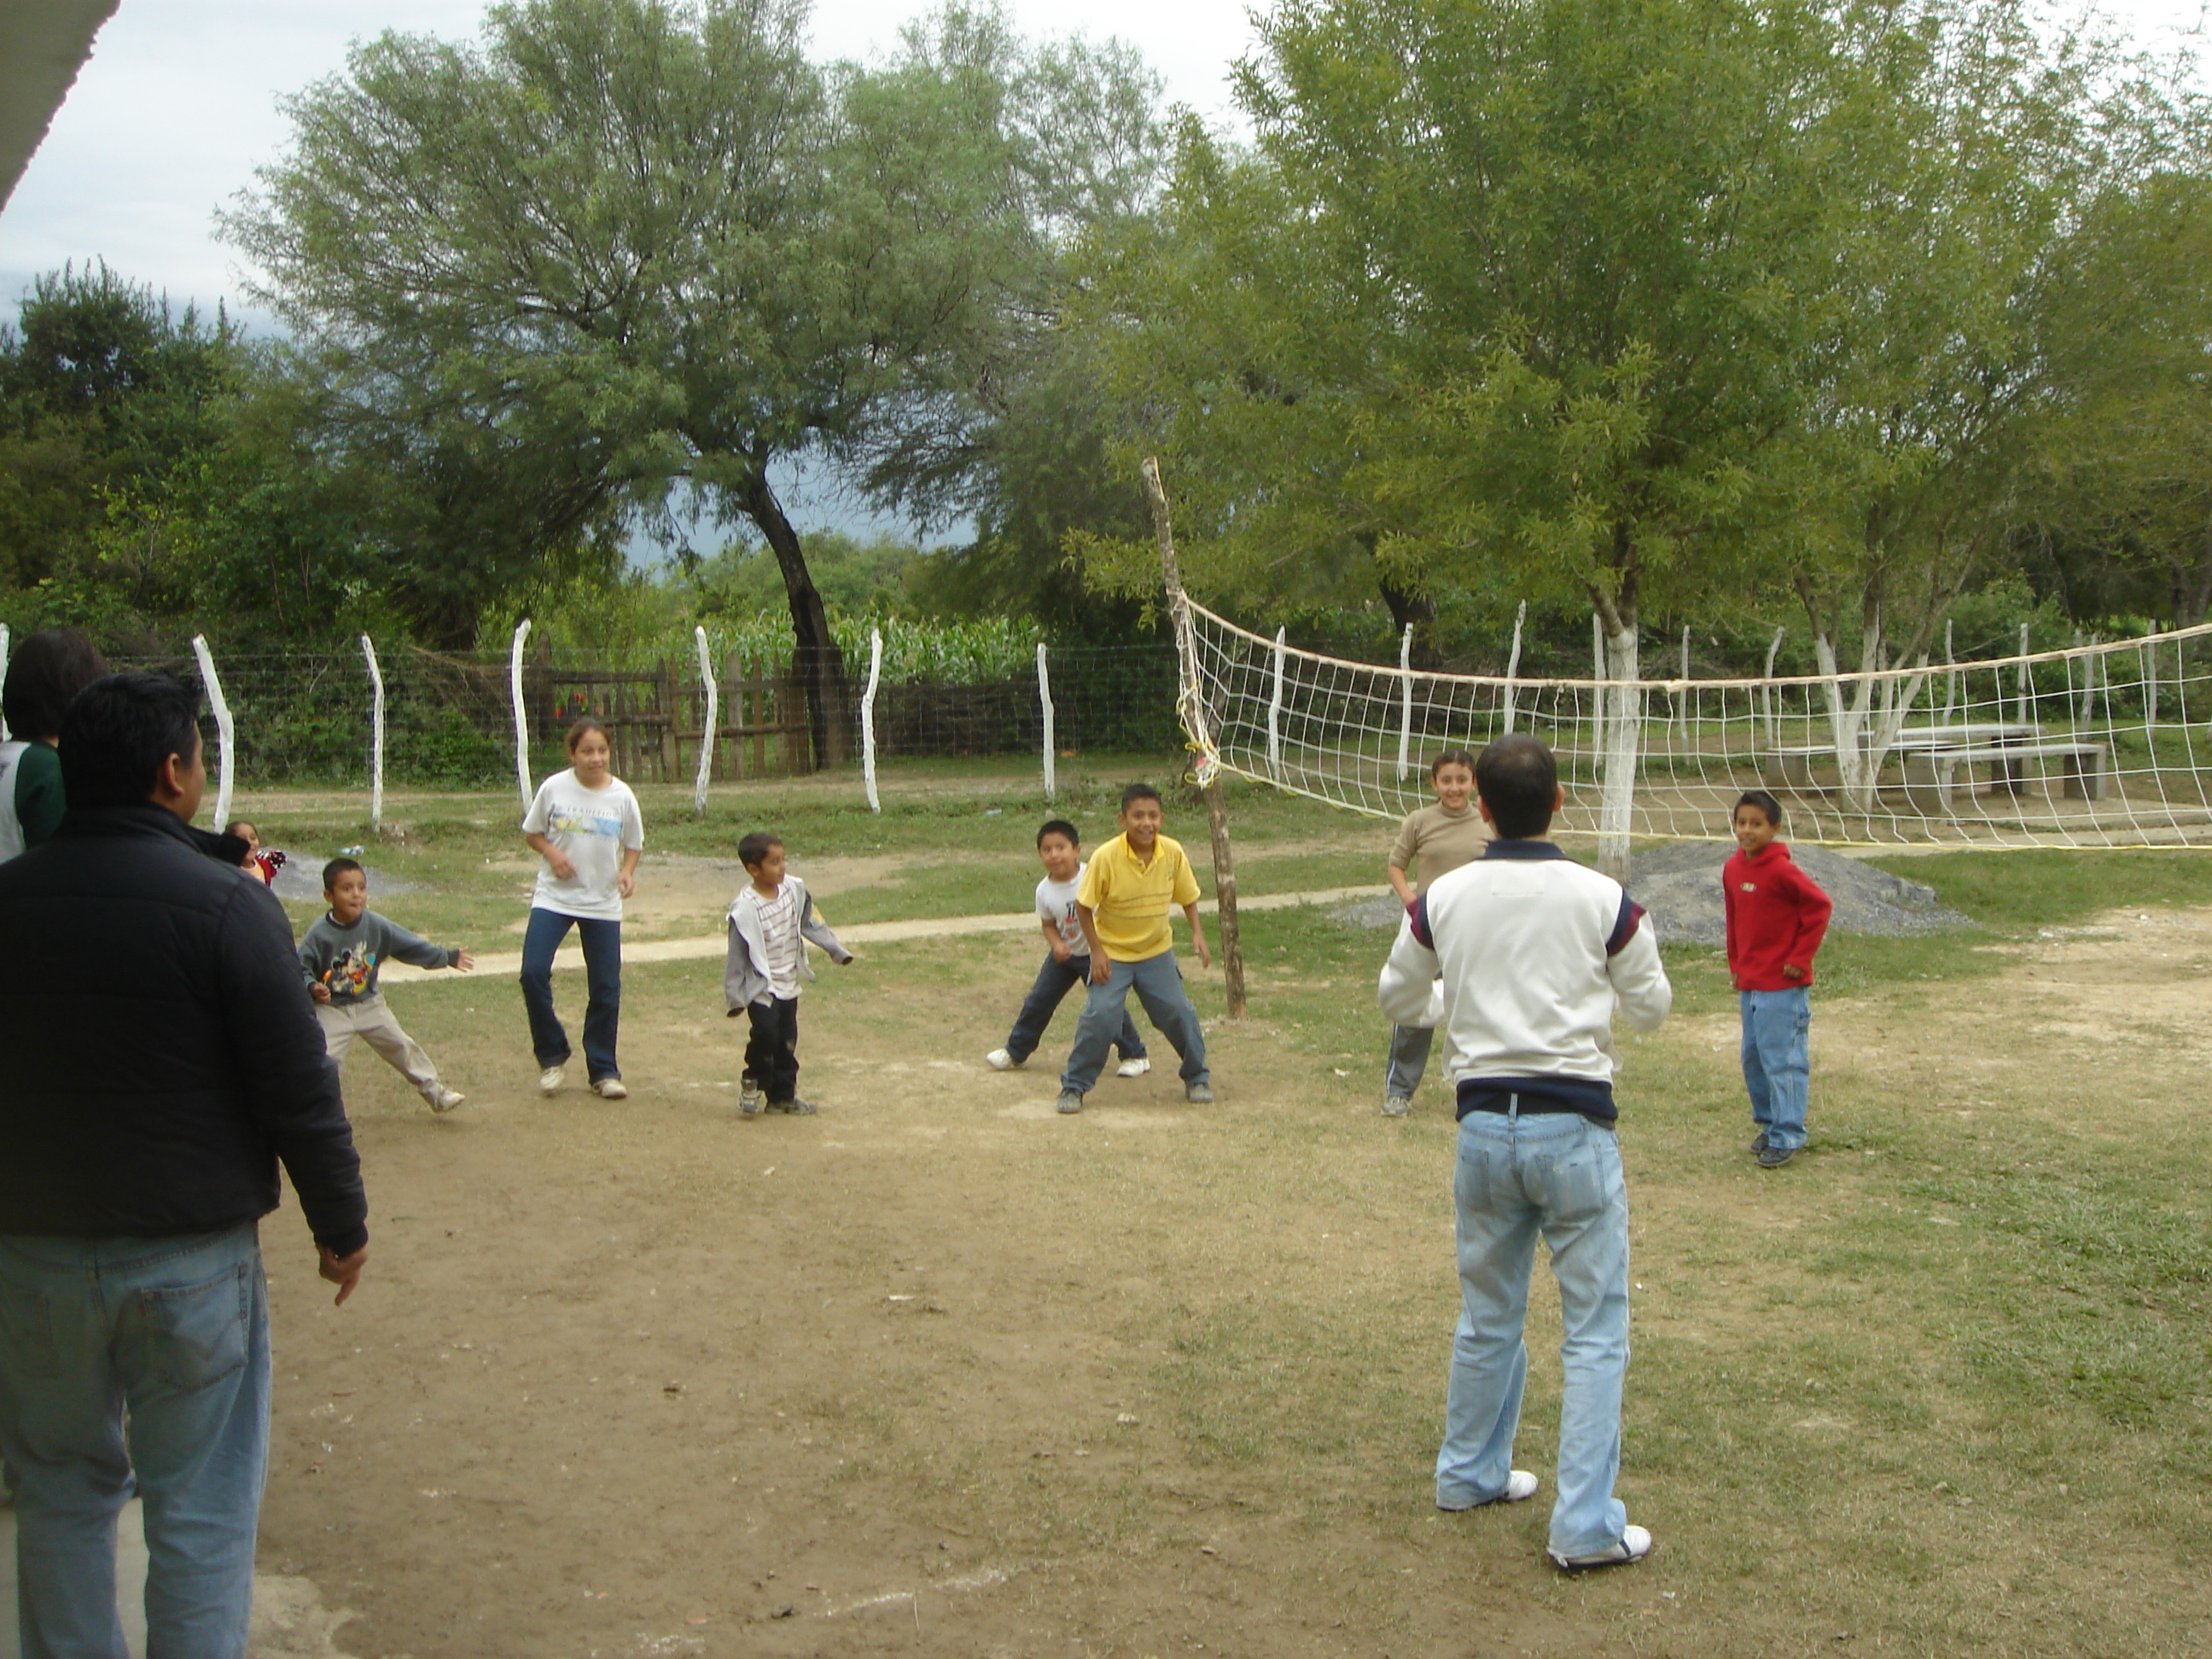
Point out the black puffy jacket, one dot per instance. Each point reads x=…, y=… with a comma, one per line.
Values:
x=156, y=1057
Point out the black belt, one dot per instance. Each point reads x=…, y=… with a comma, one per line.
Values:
x=1526, y=1106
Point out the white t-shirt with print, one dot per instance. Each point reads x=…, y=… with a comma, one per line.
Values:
x=779, y=920
x=594, y=828
x=1055, y=902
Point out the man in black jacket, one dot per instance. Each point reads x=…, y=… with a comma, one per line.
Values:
x=157, y=1062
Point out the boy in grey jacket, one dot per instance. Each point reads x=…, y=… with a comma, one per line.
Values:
x=770, y=920
x=341, y=955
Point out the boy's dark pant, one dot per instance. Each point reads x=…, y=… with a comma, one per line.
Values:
x=1054, y=981
x=772, y=1049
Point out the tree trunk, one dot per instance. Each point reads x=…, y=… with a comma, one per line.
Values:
x=1623, y=702
x=1407, y=607
x=819, y=664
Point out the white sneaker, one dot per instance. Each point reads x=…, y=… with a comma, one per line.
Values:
x=1397, y=1105
x=999, y=1060
x=445, y=1099
x=1136, y=1067
x=1634, y=1544
x=1520, y=1488
x=610, y=1088
x=551, y=1078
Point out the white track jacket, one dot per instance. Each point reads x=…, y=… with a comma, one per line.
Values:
x=1523, y=957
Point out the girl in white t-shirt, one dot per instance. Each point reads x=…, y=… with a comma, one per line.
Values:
x=585, y=824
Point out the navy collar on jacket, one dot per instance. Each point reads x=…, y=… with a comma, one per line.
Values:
x=1506, y=847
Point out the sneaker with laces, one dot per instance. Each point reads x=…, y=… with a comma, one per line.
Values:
x=1002, y=1060
x=1634, y=1544
x=1758, y=1143
x=749, y=1095
x=1397, y=1105
x=1198, y=1094
x=445, y=1099
x=1520, y=1488
x=1136, y=1065
x=795, y=1107
x=1771, y=1157
x=550, y=1078
x=1071, y=1101
x=610, y=1088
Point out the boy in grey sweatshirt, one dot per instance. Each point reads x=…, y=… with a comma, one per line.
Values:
x=341, y=954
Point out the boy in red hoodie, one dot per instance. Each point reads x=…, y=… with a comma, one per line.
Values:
x=1776, y=917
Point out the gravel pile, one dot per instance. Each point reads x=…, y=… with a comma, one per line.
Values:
x=1679, y=883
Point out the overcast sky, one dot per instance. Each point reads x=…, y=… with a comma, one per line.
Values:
x=177, y=107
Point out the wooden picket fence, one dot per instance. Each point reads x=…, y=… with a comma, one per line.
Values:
x=656, y=718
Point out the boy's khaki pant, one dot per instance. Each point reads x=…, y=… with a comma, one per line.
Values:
x=373, y=1022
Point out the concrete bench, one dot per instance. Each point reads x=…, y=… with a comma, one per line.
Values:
x=1792, y=768
x=1929, y=773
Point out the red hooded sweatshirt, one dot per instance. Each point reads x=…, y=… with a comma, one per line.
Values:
x=1776, y=917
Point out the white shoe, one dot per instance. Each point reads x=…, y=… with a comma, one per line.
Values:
x=1136, y=1067
x=1520, y=1488
x=1397, y=1105
x=445, y=1099
x=610, y=1088
x=999, y=1060
x=551, y=1078
x=1634, y=1544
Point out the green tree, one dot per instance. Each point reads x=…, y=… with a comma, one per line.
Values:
x=650, y=238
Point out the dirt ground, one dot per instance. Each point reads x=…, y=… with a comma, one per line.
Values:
x=939, y=1372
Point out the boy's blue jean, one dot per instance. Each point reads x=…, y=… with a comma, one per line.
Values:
x=602, y=942
x=1054, y=981
x=176, y=1329
x=1158, y=981
x=1778, y=1064
x=1557, y=1174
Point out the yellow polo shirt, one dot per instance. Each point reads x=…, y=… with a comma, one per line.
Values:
x=1130, y=900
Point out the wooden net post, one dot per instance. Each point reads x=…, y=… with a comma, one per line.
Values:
x=1190, y=705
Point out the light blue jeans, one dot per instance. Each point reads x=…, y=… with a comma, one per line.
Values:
x=176, y=1329
x=1158, y=981
x=1777, y=1066
x=1557, y=1174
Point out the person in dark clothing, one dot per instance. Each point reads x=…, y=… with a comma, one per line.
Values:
x=161, y=1063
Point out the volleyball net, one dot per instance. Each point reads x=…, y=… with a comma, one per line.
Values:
x=2101, y=745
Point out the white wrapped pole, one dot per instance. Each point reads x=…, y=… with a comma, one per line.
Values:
x=1950, y=680
x=522, y=720
x=375, y=736
x=1051, y=741
x=1773, y=719
x=1406, y=703
x=226, y=732
x=4, y=675
x=1682, y=698
x=1275, y=712
x=2151, y=685
x=868, y=718
x=1513, y=663
x=707, y=735
x=2023, y=674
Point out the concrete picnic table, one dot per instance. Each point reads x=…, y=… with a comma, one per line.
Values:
x=1792, y=768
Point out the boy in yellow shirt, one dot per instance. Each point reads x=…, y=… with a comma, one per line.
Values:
x=1122, y=905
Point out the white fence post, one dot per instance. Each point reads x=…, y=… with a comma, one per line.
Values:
x=1405, y=711
x=868, y=718
x=375, y=738
x=1275, y=712
x=522, y=720
x=4, y=675
x=2023, y=715
x=1951, y=679
x=1051, y=740
x=226, y=730
x=2150, y=682
x=1682, y=698
x=708, y=729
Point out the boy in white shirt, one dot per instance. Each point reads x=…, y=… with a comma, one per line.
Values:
x=1060, y=847
x=770, y=920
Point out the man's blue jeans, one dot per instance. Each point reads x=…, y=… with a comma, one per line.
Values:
x=1778, y=1064
x=1557, y=1174
x=177, y=1330
x=1054, y=981
x=1158, y=981
x=602, y=942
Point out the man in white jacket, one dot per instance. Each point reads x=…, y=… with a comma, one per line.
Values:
x=1523, y=957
